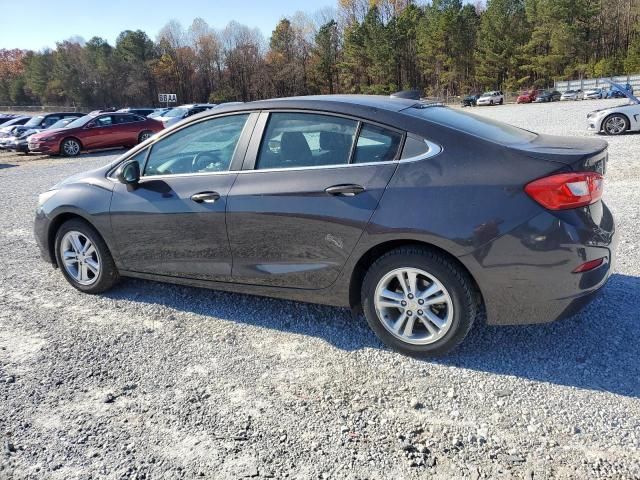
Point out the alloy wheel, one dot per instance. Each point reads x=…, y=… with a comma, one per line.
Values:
x=71, y=147
x=144, y=136
x=80, y=258
x=414, y=306
x=615, y=125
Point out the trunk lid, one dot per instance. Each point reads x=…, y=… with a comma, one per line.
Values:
x=580, y=154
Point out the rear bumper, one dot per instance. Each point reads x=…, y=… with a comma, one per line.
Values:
x=526, y=275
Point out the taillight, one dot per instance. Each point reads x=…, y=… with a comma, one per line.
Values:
x=590, y=265
x=566, y=190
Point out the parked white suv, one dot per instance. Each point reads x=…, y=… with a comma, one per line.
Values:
x=494, y=97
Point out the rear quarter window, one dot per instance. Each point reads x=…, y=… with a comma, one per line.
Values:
x=472, y=124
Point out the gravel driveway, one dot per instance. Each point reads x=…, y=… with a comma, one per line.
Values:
x=160, y=381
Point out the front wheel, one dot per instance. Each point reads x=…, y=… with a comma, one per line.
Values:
x=83, y=257
x=501, y=101
x=418, y=301
x=70, y=147
x=615, y=124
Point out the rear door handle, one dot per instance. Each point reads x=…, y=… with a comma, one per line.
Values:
x=345, y=190
x=205, y=197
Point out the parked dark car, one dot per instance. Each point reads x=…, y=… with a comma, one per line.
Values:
x=12, y=122
x=21, y=141
x=548, y=96
x=93, y=132
x=178, y=114
x=420, y=215
x=145, y=112
x=40, y=122
x=470, y=100
x=10, y=135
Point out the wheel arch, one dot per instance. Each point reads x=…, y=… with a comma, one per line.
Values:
x=375, y=252
x=71, y=137
x=622, y=114
x=55, y=225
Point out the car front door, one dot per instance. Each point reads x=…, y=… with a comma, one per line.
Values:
x=172, y=222
x=308, y=188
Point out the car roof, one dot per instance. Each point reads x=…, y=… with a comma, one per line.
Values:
x=332, y=103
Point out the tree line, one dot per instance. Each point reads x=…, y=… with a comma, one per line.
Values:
x=442, y=47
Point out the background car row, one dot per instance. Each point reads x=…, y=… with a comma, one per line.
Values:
x=69, y=133
x=494, y=97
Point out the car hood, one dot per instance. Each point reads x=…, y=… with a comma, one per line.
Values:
x=565, y=150
x=93, y=177
x=612, y=108
x=45, y=133
x=624, y=91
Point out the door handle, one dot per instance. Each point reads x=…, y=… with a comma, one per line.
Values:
x=349, y=190
x=205, y=197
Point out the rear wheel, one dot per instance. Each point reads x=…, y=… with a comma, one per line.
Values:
x=83, y=257
x=501, y=101
x=418, y=301
x=70, y=147
x=144, y=136
x=615, y=124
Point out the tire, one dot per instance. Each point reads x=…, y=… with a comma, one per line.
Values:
x=615, y=124
x=107, y=273
x=490, y=102
x=70, y=147
x=144, y=136
x=455, y=313
x=501, y=101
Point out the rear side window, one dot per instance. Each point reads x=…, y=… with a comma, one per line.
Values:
x=305, y=140
x=376, y=144
x=476, y=125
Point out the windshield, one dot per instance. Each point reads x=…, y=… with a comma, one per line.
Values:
x=569, y=91
x=35, y=121
x=487, y=94
x=476, y=125
x=175, y=112
x=60, y=123
x=79, y=122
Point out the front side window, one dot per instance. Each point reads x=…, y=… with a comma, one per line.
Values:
x=103, y=121
x=305, y=140
x=206, y=146
x=376, y=144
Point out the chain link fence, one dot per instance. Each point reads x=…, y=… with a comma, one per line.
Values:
x=40, y=109
x=589, y=83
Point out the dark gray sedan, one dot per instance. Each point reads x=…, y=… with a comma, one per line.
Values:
x=417, y=214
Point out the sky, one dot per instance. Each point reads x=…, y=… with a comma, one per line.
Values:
x=39, y=24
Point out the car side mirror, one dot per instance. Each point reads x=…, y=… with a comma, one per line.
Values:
x=90, y=125
x=129, y=173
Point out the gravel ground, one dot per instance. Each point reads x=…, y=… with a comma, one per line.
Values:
x=159, y=381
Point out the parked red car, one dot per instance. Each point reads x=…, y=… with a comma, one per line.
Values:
x=92, y=132
x=527, y=96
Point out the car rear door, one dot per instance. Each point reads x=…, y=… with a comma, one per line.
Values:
x=172, y=223
x=126, y=129
x=309, y=185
